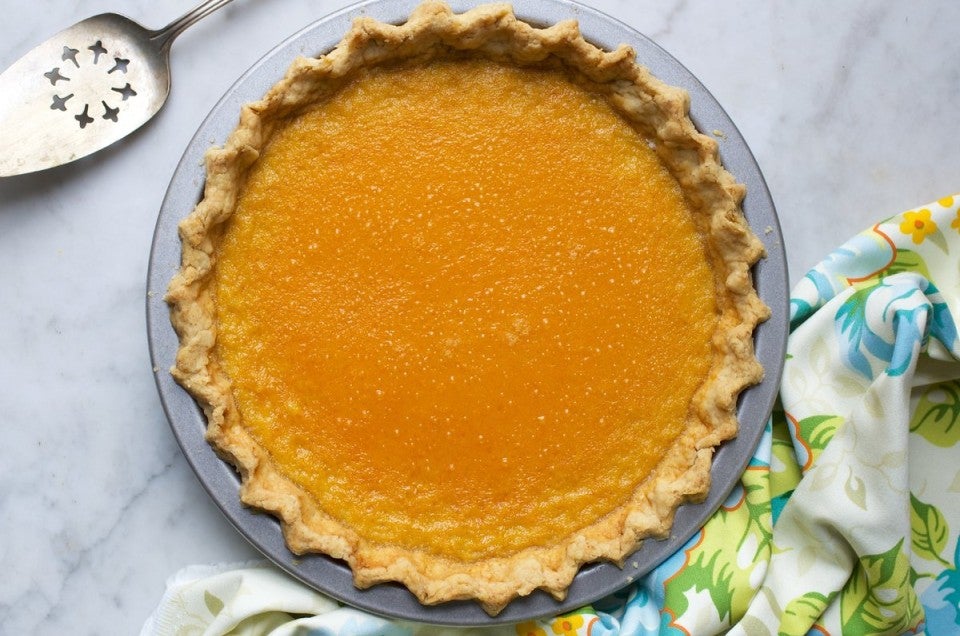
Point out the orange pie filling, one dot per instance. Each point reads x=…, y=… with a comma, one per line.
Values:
x=463, y=305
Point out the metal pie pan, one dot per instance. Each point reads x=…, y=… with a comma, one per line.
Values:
x=333, y=577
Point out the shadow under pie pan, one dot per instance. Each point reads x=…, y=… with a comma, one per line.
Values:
x=334, y=577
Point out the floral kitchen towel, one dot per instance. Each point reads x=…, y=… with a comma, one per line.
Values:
x=846, y=521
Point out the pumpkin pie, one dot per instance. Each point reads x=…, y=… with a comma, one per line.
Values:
x=467, y=303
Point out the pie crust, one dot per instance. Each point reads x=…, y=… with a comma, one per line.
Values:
x=660, y=113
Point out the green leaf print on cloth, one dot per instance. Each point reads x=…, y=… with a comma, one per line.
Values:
x=803, y=612
x=906, y=260
x=937, y=415
x=879, y=597
x=213, y=603
x=929, y=531
x=814, y=433
x=729, y=548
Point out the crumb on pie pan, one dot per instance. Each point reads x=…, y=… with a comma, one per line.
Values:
x=335, y=578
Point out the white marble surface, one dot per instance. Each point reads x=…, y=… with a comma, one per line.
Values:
x=850, y=108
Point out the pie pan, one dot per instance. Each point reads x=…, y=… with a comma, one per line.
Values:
x=333, y=577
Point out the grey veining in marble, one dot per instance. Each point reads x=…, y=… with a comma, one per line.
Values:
x=850, y=109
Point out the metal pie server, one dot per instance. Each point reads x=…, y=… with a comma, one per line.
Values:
x=85, y=88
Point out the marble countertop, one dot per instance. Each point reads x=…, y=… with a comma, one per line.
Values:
x=850, y=109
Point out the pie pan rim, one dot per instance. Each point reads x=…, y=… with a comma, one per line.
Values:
x=593, y=581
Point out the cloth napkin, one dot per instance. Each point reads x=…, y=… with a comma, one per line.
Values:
x=845, y=522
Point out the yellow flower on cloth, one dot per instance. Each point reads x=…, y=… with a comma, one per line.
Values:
x=918, y=225
x=568, y=625
x=581, y=623
x=530, y=628
x=947, y=202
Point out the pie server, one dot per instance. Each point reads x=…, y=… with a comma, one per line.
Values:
x=85, y=88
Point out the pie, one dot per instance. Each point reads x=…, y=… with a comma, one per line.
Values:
x=468, y=304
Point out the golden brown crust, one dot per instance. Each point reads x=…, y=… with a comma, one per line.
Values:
x=658, y=111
